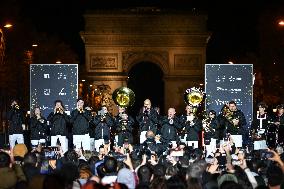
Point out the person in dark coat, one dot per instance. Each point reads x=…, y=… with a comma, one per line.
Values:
x=147, y=119
x=210, y=127
x=15, y=119
x=103, y=123
x=59, y=120
x=191, y=126
x=80, y=118
x=170, y=125
x=38, y=127
x=124, y=128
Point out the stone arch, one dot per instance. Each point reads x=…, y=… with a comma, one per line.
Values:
x=129, y=59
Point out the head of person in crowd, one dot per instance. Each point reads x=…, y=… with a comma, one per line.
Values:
x=110, y=165
x=19, y=151
x=232, y=106
x=30, y=159
x=145, y=174
x=159, y=170
x=71, y=156
x=242, y=177
x=274, y=176
x=175, y=182
x=171, y=171
x=5, y=160
x=196, y=169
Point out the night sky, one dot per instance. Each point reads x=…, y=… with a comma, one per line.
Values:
x=235, y=27
x=241, y=31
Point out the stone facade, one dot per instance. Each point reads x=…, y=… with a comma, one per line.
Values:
x=174, y=40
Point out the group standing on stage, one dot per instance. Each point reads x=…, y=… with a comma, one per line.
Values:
x=89, y=131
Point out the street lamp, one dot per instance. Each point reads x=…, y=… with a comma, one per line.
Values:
x=8, y=25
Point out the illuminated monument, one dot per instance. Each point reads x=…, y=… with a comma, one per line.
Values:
x=116, y=40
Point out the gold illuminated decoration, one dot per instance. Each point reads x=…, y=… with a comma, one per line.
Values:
x=193, y=96
x=123, y=97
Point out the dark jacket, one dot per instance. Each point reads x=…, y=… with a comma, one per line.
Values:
x=80, y=122
x=192, y=128
x=58, y=123
x=38, y=128
x=148, y=120
x=228, y=126
x=123, y=128
x=10, y=176
x=169, y=130
x=15, y=118
x=103, y=125
x=212, y=132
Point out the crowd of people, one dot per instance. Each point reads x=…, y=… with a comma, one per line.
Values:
x=97, y=150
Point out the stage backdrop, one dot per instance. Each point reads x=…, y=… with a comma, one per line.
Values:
x=226, y=82
x=49, y=82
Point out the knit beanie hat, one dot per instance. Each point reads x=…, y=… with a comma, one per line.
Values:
x=20, y=150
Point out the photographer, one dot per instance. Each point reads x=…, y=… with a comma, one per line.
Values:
x=15, y=119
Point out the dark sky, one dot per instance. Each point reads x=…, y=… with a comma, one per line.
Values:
x=234, y=26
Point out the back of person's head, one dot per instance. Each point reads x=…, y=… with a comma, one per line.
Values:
x=110, y=165
x=158, y=183
x=68, y=172
x=30, y=159
x=242, y=178
x=4, y=160
x=176, y=182
x=93, y=160
x=159, y=170
x=144, y=174
x=195, y=170
x=230, y=185
x=193, y=183
x=71, y=156
x=20, y=150
x=53, y=182
x=274, y=175
x=171, y=171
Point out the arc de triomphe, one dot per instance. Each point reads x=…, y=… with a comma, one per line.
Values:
x=117, y=40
